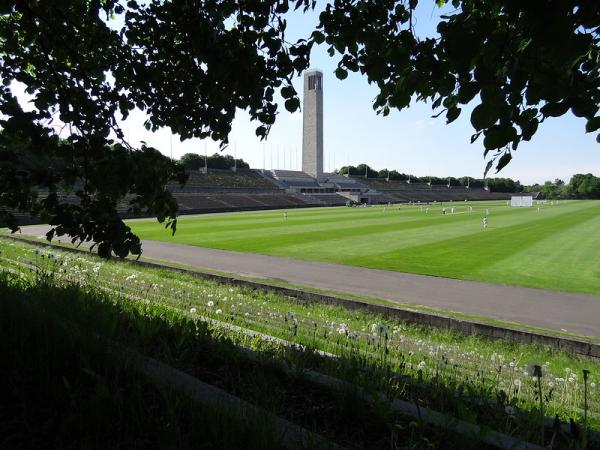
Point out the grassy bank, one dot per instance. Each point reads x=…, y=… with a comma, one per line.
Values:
x=60, y=387
x=484, y=381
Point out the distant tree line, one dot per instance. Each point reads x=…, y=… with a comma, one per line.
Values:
x=582, y=186
x=193, y=161
x=495, y=184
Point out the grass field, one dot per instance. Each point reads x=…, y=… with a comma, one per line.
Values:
x=557, y=247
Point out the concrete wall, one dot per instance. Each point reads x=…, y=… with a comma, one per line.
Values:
x=312, y=127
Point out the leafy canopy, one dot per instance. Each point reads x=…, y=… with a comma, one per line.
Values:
x=191, y=64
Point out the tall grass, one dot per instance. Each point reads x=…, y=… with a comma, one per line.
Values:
x=63, y=389
x=489, y=382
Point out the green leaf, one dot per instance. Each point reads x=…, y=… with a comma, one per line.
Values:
x=488, y=167
x=555, y=109
x=341, y=74
x=504, y=160
x=292, y=104
x=498, y=137
x=484, y=116
x=318, y=37
x=288, y=91
x=452, y=114
x=261, y=131
x=592, y=125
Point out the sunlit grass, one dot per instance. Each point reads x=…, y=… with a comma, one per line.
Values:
x=553, y=248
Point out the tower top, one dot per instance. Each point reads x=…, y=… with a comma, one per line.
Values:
x=313, y=80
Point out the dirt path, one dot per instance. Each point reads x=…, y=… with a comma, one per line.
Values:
x=576, y=313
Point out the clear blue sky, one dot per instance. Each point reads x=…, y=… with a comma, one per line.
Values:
x=409, y=141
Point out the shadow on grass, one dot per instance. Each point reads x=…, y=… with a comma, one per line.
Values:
x=64, y=389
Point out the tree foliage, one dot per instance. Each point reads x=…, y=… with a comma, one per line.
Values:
x=383, y=175
x=186, y=64
x=580, y=186
x=520, y=62
x=193, y=161
x=189, y=65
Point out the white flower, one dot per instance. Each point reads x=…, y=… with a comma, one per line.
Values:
x=219, y=311
x=571, y=379
x=550, y=384
x=343, y=329
x=512, y=364
x=421, y=365
x=518, y=383
x=378, y=329
x=193, y=310
x=210, y=304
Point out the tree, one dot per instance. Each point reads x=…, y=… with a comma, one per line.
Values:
x=584, y=186
x=192, y=161
x=189, y=65
x=526, y=61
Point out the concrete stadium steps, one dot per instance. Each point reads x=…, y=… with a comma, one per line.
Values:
x=214, y=202
x=243, y=178
x=441, y=195
x=327, y=199
x=295, y=178
x=343, y=182
x=268, y=175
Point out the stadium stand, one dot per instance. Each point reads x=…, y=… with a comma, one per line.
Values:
x=343, y=183
x=194, y=203
x=295, y=179
x=399, y=191
x=326, y=199
x=247, y=189
x=242, y=178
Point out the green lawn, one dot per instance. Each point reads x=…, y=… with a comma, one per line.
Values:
x=556, y=248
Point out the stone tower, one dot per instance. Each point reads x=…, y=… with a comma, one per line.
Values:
x=312, y=124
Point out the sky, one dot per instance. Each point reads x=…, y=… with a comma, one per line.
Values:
x=410, y=141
